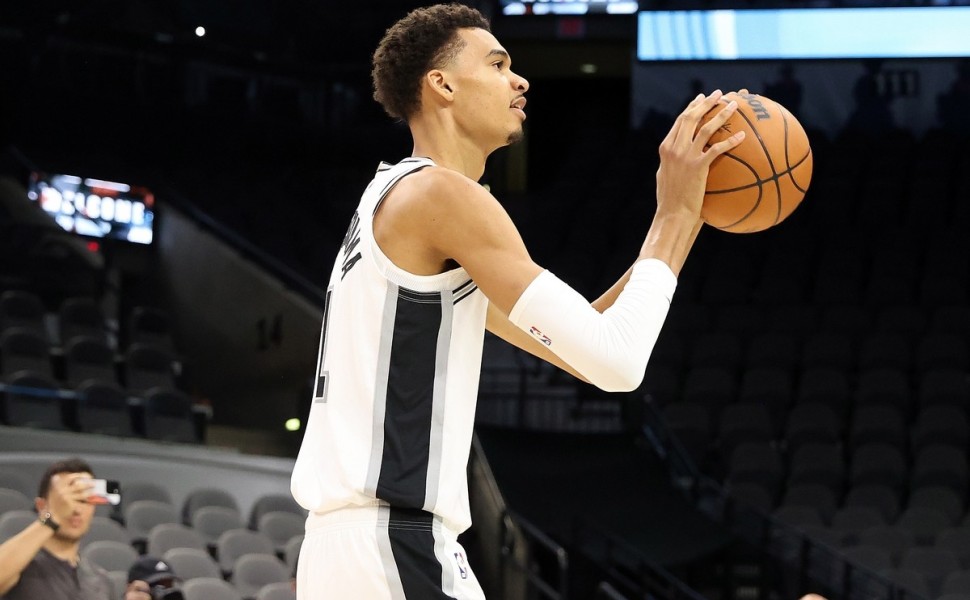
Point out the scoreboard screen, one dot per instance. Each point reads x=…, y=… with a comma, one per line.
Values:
x=569, y=7
x=94, y=207
x=804, y=33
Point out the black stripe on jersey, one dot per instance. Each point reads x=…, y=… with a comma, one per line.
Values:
x=412, y=543
x=466, y=294
x=409, y=399
x=463, y=291
x=390, y=184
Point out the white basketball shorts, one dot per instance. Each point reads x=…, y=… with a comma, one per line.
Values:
x=382, y=553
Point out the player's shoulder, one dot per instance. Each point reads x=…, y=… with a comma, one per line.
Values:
x=442, y=189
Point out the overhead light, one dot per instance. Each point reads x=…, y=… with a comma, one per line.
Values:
x=200, y=31
x=588, y=68
x=292, y=424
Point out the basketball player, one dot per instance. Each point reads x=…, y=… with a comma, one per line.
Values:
x=431, y=260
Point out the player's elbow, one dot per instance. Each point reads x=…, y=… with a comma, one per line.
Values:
x=620, y=376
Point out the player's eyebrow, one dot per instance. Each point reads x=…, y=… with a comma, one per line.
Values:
x=498, y=52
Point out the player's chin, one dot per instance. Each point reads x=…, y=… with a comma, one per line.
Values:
x=515, y=137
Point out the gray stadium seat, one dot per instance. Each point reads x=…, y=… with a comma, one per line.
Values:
x=851, y=521
x=925, y=522
x=81, y=316
x=110, y=555
x=882, y=497
x=280, y=526
x=23, y=349
x=942, y=498
x=191, y=563
x=892, y=538
x=165, y=536
x=14, y=500
x=207, y=496
x=89, y=358
x=106, y=529
x=281, y=590
x=818, y=496
x=13, y=522
x=20, y=308
x=34, y=403
x=133, y=491
x=237, y=542
x=102, y=407
x=934, y=563
x=209, y=588
x=271, y=503
x=168, y=415
x=251, y=572
x=957, y=582
x=957, y=541
x=213, y=521
x=941, y=465
x=143, y=515
x=291, y=553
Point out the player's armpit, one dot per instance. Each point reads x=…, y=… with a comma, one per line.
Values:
x=465, y=223
x=498, y=323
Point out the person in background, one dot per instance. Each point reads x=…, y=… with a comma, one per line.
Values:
x=43, y=560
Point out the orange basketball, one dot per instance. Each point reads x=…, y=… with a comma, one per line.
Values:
x=760, y=182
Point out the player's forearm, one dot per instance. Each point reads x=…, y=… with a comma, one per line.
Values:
x=17, y=552
x=651, y=246
x=670, y=238
x=610, y=349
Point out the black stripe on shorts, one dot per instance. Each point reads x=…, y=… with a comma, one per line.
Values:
x=412, y=542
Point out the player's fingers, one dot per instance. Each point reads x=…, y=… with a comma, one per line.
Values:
x=675, y=129
x=743, y=91
x=693, y=115
x=723, y=146
x=704, y=133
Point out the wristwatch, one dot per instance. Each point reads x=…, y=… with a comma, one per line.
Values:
x=47, y=519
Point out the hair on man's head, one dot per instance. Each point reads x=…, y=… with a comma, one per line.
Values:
x=70, y=465
x=425, y=39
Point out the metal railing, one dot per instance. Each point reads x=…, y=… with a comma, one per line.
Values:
x=558, y=587
x=802, y=560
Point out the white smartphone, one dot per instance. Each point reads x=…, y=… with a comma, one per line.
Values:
x=104, y=491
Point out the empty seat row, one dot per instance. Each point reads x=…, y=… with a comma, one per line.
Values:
x=85, y=358
x=83, y=316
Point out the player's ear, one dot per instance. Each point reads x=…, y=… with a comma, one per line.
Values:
x=439, y=84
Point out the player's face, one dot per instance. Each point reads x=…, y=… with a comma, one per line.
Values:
x=490, y=97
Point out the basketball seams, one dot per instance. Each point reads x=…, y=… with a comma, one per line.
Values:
x=739, y=186
x=759, y=182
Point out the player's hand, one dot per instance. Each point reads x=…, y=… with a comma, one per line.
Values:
x=685, y=158
x=138, y=590
x=67, y=492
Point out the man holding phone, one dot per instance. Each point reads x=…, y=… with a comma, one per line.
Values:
x=43, y=560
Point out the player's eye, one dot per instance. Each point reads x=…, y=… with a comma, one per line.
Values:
x=498, y=65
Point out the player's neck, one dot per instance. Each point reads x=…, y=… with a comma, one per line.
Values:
x=450, y=149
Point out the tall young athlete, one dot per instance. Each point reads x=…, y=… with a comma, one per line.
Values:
x=431, y=260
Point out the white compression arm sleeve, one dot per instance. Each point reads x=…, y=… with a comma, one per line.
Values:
x=610, y=349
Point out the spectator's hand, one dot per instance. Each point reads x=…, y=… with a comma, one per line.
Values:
x=138, y=590
x=67, y=492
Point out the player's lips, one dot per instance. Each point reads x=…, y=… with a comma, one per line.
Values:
x=519, y=105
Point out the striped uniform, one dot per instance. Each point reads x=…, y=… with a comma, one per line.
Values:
x=382, y=466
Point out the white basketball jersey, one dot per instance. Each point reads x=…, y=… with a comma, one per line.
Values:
x=397, y=379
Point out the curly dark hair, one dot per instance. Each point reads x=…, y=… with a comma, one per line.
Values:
x=425, y=39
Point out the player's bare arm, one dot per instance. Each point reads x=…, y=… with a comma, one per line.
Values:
x=677, y=153
x=439, y=217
